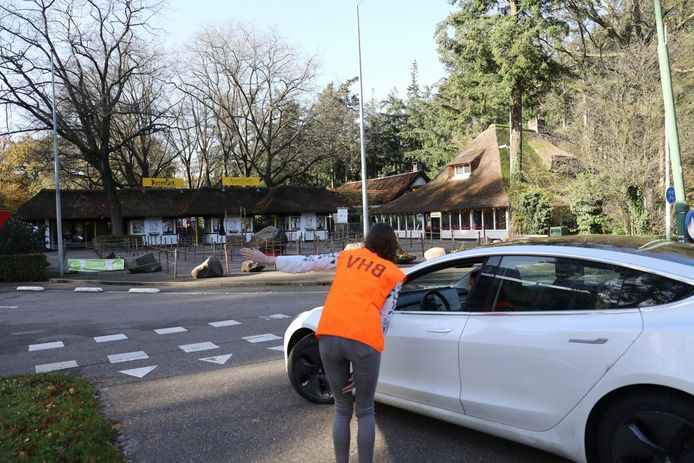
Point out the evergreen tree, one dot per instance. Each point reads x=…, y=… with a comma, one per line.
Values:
x=498, y=57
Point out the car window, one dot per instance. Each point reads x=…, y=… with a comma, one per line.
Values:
x=541, y=283
x=642, y=289
x=441, y=288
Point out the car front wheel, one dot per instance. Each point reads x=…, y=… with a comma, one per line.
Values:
x=647, y=427
x=306, y=374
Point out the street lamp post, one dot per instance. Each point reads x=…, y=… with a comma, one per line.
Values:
x=362, y=137
x=56, y=162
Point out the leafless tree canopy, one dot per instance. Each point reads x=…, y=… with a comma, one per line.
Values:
x=258, y=90
x=100, y=62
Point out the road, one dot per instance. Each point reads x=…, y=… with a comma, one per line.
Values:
x=198, y=376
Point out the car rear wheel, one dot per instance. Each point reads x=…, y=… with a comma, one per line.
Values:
x=306, y=373
x=647, y=427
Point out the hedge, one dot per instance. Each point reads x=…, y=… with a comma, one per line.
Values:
x=23, y=267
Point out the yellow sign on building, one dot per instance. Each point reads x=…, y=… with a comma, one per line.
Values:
x=163, y=182
x=240, y=181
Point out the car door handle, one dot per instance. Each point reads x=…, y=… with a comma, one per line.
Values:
x=440, y=330
x=589, y=341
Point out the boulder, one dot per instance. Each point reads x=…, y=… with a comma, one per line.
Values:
x=434, y=252
x=352, y=246
x=249, y=266
x=146, y=263
x=211, y=268
x=269, y=238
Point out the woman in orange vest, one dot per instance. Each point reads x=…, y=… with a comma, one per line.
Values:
x=350, y=331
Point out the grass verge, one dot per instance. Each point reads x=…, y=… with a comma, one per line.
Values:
x=53, y=418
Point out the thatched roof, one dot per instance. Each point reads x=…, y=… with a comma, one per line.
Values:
x=75, y=204
x=215, y=201
x=155, y=202
x=289, y=200
x=89, y=205
x=483, y=189
x=390, y=187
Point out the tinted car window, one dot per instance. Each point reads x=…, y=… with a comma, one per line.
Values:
x=534, y=283
x=642, y=289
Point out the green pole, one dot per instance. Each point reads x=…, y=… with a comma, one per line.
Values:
x=681, y=206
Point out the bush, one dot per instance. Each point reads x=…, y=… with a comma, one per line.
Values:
x=24, y=267
x=17, y=237
x=532, y=210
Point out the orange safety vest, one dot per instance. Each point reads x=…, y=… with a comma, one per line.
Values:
x=361, y=285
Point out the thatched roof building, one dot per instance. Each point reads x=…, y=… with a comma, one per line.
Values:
x=472, y=180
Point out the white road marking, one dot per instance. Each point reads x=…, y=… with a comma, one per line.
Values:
x=30, y=288
x=261, y=338
x=9, y=306
x=220, y=359
x=144, y=290
x=110, y=337
x=55, y=366
x=174, y=329
x=224, y=323
x=127, y=357
x=46, y=345
x=198, y=347
x=88, y=289
x=276, y=348
x=276, y=316
x=138, y=372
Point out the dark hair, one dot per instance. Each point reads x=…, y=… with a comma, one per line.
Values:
x=382, y=241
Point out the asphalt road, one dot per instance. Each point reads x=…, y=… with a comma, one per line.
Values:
x=196, y=376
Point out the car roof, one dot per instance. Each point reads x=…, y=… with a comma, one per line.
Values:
x=660, y=258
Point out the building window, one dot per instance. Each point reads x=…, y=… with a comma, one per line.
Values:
x=461, y=171
x=294, y=222
x=168, y=226
x=500, y=219
x=137, y=227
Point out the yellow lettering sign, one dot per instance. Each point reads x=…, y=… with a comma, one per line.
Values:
x=163, y=182
x=240, y=181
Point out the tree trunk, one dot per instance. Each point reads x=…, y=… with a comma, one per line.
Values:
x=516, y=142
x=114, y=206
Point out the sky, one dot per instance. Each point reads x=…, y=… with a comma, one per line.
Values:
x=394, y=33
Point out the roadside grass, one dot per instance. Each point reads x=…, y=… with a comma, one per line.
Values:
x=53, y=418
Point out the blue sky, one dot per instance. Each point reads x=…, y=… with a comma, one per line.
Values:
x=394, y=33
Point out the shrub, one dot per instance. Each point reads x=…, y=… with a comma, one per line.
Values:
x=17, y=237
x=23, y=267
x=532, y=210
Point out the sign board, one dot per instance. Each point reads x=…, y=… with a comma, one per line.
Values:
x=341, y=216
x=4, y=216
x=670, y=195
x=240, y=181
x=95, y=265
x=435, y=215
x=163, y=182
x=689, y=224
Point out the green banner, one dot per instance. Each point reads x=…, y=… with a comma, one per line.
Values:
x=95, y=265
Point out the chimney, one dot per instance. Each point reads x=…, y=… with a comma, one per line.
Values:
x=416, y=166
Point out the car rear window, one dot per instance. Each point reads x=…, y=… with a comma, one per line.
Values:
x=642, y=289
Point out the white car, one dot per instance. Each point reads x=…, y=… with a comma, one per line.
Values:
x=586, y=352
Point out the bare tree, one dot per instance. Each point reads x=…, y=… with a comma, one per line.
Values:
x=258, y=90
x=97, y=52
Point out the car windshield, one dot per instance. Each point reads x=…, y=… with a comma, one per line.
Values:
x=672, y=251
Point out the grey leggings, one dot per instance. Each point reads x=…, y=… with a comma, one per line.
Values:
x=337, y=354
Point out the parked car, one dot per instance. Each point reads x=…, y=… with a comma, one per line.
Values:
x=584, y=351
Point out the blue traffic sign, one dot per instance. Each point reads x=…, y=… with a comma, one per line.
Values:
x=670, y=195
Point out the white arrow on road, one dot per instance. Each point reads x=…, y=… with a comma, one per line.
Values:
x=138, y=372
x=220, y=359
